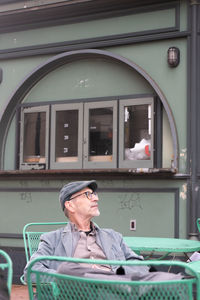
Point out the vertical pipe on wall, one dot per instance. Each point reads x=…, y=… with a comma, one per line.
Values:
x=192, y=119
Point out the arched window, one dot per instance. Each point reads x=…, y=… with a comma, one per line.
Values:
x=132, y=129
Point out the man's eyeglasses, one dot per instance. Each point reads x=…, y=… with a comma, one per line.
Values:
x=89, y=195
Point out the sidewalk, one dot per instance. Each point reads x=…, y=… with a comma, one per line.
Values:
x=19, y=292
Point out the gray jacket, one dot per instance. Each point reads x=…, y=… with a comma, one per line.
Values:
x=63, y=241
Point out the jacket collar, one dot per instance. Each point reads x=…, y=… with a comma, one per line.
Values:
x=70, y=237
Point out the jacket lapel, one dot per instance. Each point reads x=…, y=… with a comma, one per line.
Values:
x=106, y=246
x=69, y=242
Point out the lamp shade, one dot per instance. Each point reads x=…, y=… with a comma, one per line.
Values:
x=173, y=56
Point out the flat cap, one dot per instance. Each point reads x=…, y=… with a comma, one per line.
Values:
x=73, y=187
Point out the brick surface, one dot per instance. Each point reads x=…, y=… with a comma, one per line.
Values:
x=19, y=292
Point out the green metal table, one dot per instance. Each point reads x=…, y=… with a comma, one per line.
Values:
x=195, y=266
x=166, y=245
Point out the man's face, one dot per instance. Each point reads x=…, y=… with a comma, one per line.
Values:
x=84, y=207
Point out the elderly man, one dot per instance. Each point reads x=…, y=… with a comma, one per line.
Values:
x=81, y=238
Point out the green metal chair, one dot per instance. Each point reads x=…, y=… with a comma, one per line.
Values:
x=32, y=233
x=49, y=286
x=31, y=237
x=198, y=224
x=8, y=268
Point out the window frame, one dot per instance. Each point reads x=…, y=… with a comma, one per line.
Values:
x=26, y=165
x=64, y=107
x=83, y=105
x=97, y=164
x=133, y=164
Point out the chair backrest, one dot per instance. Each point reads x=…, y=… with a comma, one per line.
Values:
x=32, y=233
x=61, y=286
x=7, y=268
x=198, y=224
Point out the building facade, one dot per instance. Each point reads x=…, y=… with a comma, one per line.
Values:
x=105, y=90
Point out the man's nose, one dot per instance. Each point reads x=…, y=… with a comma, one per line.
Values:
x=95, y=197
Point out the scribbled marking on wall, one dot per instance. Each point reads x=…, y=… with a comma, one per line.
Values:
x=130, y=201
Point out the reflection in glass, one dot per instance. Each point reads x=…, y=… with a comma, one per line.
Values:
x=137, y=132
x=34, y=137
x=101, y=134
x=66, y=147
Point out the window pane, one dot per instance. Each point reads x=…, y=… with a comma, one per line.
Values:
x=66, y=136
x=100, y=134
x=137, y=132
x=34, y=137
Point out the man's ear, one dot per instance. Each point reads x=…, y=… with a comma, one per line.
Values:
x=69, y=206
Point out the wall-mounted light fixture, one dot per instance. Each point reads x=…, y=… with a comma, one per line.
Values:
x=173, y=57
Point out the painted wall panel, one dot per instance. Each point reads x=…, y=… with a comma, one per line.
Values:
x=157, y=207
x=154, y=20
x=86, y=79
x=28, y=207
x=183, y=15
x=153, y=212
